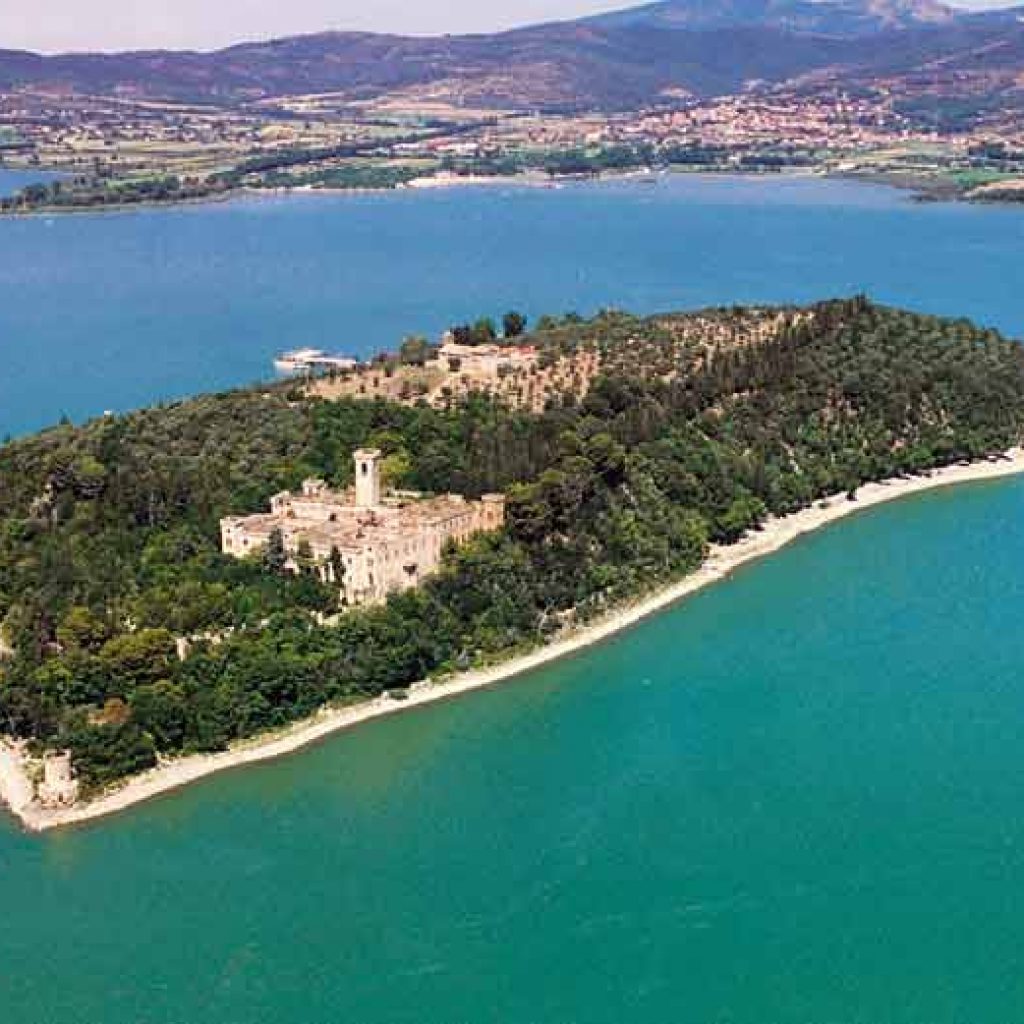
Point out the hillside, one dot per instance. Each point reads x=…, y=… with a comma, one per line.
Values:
x=696, y=427
x=633, y=58
x=837, y=18
x=549, y=66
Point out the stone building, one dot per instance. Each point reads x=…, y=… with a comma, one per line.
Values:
x=381, y=543
x=485, y=360
x=59, y=787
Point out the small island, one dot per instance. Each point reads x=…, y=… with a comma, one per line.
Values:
x=224, y=579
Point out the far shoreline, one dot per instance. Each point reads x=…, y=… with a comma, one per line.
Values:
x=914, y=190
x=722, y=562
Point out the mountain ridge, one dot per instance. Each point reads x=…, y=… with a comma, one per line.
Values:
x=626, y=59
x=834, y=17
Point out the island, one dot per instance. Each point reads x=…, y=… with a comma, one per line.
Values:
x=223, y=579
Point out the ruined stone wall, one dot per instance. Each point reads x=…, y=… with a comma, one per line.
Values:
x=59, y=787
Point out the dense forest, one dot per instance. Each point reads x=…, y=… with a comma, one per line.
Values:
x=109, y=540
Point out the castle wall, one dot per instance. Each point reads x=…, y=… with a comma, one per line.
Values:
x=387, y=545
x=59, y=787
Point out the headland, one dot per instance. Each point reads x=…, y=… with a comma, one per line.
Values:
x=722, y=562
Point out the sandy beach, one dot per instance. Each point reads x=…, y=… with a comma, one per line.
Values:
x=443, y=180
x=15, y=787
x=16, y=791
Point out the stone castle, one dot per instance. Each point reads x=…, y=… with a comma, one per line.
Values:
x=379, y=543
x=58, y=787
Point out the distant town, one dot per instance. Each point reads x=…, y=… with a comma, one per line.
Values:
x=114, y=151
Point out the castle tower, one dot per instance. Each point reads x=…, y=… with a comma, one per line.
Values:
x=59, y=787
x=367, y=478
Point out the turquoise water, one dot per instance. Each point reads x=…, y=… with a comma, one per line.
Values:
x=796, y=799
x=114, y=311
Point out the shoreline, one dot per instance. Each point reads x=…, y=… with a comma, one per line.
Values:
x=917, y=191
x=722, y=562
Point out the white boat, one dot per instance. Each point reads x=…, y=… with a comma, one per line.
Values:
x=310, y=360
x=290, y=362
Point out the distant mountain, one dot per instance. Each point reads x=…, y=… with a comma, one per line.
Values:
x=560, y=65
x=624, y=60
x=820, y=17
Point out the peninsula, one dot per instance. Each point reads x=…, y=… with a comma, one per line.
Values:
x=638, y=460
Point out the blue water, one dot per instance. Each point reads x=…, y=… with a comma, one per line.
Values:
x=118, y=310
x=14, y=181
x=796, y=799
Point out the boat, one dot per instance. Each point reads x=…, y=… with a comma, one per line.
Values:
x=312, y=360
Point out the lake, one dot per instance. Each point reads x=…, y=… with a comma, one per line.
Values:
x=119, y=310
x=13, y=181
x=795, y=799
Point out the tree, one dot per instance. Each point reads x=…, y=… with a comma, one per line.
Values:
x=275, y=557
x=135, y=658
x=82, y=630
x=744, y=513
x=484, y=332
x=395, y=468
x=414, y=350
x=304, y=557
x=513, y=324
x=337, y=565
x=159, y=709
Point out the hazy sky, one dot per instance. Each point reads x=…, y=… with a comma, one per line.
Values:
x=129, y=24
x=52, y=25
